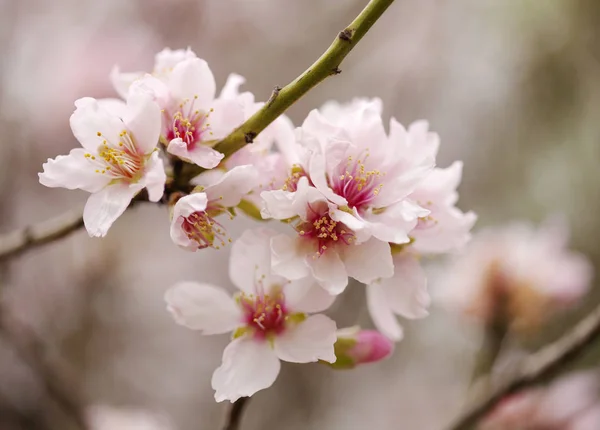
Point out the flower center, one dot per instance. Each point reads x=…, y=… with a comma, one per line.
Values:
x=202, y=228
x=291, y=182
x=188, y=123
x=120, y=160
x=355, y=183
x=323, y=230
x=264, y=314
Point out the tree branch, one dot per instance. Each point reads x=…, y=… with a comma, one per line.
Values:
x=282, y=99
x=234, y=416
x=540, y=366
x=35, y=235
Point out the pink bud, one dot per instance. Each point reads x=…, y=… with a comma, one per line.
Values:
x=355, y=346
x=371, y=346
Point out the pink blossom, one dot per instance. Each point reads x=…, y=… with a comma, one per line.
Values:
x=570, y=403
x=194, y=224
x=268, y=319
x=531, y=269
x=117, y=161
x=184, y=87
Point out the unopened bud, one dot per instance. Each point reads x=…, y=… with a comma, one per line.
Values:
x=355, y=346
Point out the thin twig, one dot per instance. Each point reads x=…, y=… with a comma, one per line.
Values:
x=234, y=416
x=540, y=366
x=39, y=234
x=327, y=65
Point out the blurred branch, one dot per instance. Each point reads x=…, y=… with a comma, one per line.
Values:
x=538, y=367
x=39, y=234
x=234, y=416
x=282, y=98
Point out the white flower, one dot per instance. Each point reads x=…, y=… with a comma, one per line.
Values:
x=365, y=172
x=404, y=294
x=118, y=158
x=164, y=62
x=324, y=247
x=100, y=417
x=267, y=317
x=193, y=116
x=530, y=269
x=194, y=225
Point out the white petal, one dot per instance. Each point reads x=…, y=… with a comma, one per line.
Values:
x=104, y=207
x=189, y=204
x=73, y=171
x=154, y=88
x=286, y=258
x=305, y=295
x=168, y=58
x=203, y=307
x=143, y=120
x=381, y=313
x=406, y=291
x=309, y=341
x=193, y=78
x=231, y=89
x=201, y=155
x=116, y=107
x=225, y=117
x=278, y=204
x=89, y=119
x=329, y=271
x=368, y=261
x=251, y=260
x=180, y=237
x=248, y=366
x=318, y=175
x=233, y=186
x=122, y=81
x=155, y=177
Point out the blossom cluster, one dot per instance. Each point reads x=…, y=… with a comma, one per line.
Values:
x=356, y=201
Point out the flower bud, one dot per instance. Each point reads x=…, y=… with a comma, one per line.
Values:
x=355, y=346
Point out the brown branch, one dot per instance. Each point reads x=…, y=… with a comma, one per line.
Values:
x=542, y=365
x=36, y=235
x=234, y=416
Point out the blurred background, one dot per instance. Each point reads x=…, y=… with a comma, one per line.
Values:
x=513, y=89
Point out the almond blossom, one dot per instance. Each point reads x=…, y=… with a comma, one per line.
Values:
x=118, y=159
x=268, y=318
x=324, y=248
x=193, y=116
x=530, y=270
x=570, y=403
x=194, y=225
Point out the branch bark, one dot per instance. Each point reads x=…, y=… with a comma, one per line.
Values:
x=234, y=416
x=36, y=235
x=543, y=365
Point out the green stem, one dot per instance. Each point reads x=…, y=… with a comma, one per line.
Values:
x=282, y=99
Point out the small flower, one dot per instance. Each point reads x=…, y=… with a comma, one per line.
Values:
x=194, y=225
x=570, y=403
x=517, y=273
x=355, y=346
x=117, y=161
x=100, y=417
x=405, y=293
x=324, y=247
x=193, y=116
x=268, y=319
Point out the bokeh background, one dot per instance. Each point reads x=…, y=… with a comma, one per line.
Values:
x=512, y=87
